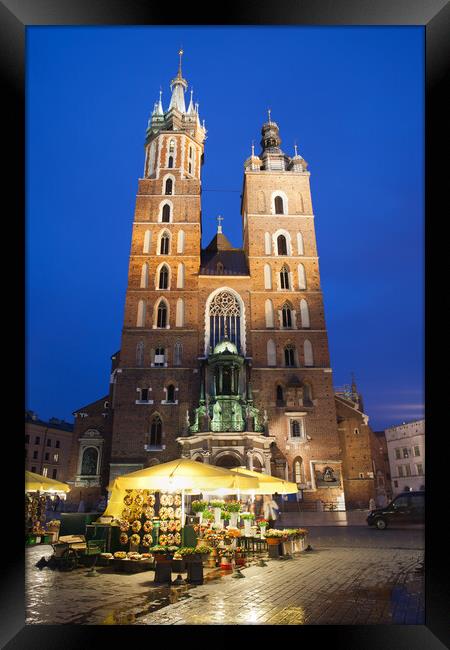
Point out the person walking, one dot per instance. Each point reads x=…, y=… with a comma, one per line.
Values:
x=372, y=504
x=270, y=510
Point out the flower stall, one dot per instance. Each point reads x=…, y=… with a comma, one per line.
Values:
x=37, y=491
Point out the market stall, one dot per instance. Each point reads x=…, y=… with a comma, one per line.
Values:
x=38, y=489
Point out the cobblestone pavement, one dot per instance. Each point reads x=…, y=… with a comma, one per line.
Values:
x=370, y=579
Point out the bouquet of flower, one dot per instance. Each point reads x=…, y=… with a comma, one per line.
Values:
x=209, y=516
x=199, y=506
x=247, y=515
x=273, y=532
x=262, y=522
x=203, y=548
x=233, y=506
x=216, y=504
x=233, y=532
x=187, y=550
x=224, y=515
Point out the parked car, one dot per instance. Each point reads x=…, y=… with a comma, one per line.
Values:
x=406, y=508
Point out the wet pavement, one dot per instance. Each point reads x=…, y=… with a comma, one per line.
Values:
x=357, y=576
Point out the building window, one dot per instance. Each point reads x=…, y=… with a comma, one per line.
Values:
x=282, y=245
x=267, y=277
x=396, y=484
x=172, y=146
x=164, y=246
x=37, y=440
x=162, y=315
x=55, y=458
x=191, y=152
x=33, y=469
x=169, y=186
x=408, y=470
x=35, y=455
x=356, y=432
x=140, y=354
x=397, y=453
x=400, y=470
x=140, y=321
x=171, y=393
x=405, y=452
x=286, y=314
x=144, y=276
x=160, y=357
x=165, y=217
x=308, y=353
x=416, y=451
x=170, y=164
x=156, y=432
x=163, y=278
x=177, y=354
x=284, y=278
x=304, y=313
x=190, y=168
x=144, y=394
x=57, y=444
x=280, y=397
x=419, y=468
x=49, y=442
x=279, y=207
x=296, y=428
x=54, y=473
x=271, y=353
x=47, y=456
x=225, y=313
x=44, y=471
x=307, y=394
x=289, y=356
x=298, y=478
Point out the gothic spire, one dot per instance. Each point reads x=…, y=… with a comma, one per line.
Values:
x=178, y=87
x=159, y=110
x=191, y=109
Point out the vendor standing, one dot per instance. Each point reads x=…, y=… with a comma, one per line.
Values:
x=270, y=510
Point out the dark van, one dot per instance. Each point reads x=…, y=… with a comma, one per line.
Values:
x=406, y=508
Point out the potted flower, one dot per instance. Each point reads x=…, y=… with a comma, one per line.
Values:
x=247, y=518
x=263, y=523
x=199, y=507
x=188, y=553
x=234, y=508
x=217, y=506
x=274, y=536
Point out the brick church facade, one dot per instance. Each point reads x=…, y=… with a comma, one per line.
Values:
x=224, y=354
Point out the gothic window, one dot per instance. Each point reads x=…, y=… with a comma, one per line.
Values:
x=180, y=241
x=177, y=354
x=307, y=394
x=171, y=393
x=191, y=152
x=160, y=357
x=278, y=203
x=267, y=277
x=304, y=313
x=140, y=353
x=267, y=244
x=180, y=276
x=89, y=462
x=156, y=432
x=165, y=218
x=298, y=471
x=295, y=429
x=280, y=396
x=140, y=314
x=271, y=353
x=301, y=250
x=144, y=276
x=169, y=186
x=163, y=278
x=289, y=356
x=301, y=277
x=308, y=353
x=269, y=313
x=171, y=146
x=170, y=163
x=179, y=317
x=164, y=244
x=281, y=245
x=190, y=168
x=225, y=317
x=284, y=278
x=287, y=315
x=147, y=241
x=161, y=320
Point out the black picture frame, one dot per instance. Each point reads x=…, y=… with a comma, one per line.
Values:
x=434, y=16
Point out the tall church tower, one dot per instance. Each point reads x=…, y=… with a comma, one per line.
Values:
x=291, y=374
x=157, y=372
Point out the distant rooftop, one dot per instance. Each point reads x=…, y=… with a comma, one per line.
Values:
x=53, y=423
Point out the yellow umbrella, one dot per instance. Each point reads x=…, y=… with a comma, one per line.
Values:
x=266, y=484
x=35, y=482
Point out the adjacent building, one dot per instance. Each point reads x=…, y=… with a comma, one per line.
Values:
x=48, y=446
x=406, y=450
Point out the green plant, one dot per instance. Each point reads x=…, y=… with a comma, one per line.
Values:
x=233, y=506
x=203, y=548
x=216, y=504
x=247, y=515
x=199, y=506
x=209, y=516
x=187, y=550
x=157, y=549
x=224, y=515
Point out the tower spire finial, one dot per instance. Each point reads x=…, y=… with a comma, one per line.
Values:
x=180, y=52
x=219, y=220
x=295, y=148
x=269, y=112
x=253, y=147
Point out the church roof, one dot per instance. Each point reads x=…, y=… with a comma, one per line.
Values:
x=220, y=258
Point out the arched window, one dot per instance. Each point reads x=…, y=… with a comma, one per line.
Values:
x=160, y=357
x=300, y=244
x=177, y=354
x=278, y=203
x=284, y=278
x=170, y=163
x=156, y=432
x=286, y=314
x=280, y=396
x=171, y=146
x=267, y=244
x=140, y=321
x=289, y=355
x=225, y=317
x=308, y=353
x=191, y=152
x=307, y=394
x=298, y=471
x=295, y=429
x=267, y=277
x=171, y=393
x=304, y=313
x=190, y=168
x=89, y=462
x=140, y=353
x=281, y=244
x=144, y=276
x=163, y=277
x=269, y=313
x=271, y=353
x=301, y=277
x=168, y=186
x=179, y=317
x=161, y=320
x=180, y=276
x=165, y=218
x=164, y=244
x=147, y=241
x=180, y=241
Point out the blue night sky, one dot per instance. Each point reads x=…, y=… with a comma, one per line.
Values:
x=353, y=100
